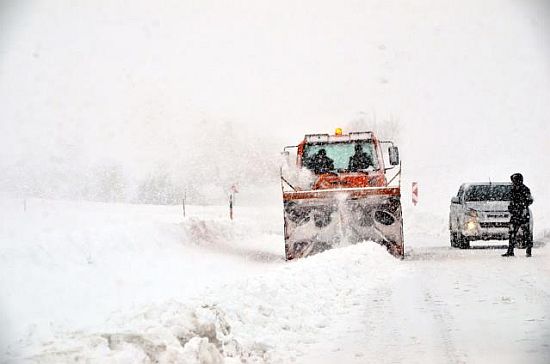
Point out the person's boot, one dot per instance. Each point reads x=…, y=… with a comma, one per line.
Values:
x=509, y=253
x=528, y=252
x=511, y=246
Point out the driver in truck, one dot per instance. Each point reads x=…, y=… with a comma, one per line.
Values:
x=321, y=163
x=519, y=214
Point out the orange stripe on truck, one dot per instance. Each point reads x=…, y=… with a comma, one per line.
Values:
x=350, y=192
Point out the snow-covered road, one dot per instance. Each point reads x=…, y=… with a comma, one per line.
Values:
x=451, y=306
x=129, y=284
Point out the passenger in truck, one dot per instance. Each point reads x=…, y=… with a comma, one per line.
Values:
x=360, y=160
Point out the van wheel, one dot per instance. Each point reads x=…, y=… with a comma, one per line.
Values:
x=463, y=242
x=522, y=238
x=454, y=240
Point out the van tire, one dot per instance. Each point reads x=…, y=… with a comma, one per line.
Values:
x=463, y=242
x=454, y=240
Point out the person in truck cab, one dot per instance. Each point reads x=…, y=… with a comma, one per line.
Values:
x=320, y=163
x=519, y=214
x=360, y=160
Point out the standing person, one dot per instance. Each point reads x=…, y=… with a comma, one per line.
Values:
x=519, y=214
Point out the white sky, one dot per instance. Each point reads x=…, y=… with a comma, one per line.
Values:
x=469, y=81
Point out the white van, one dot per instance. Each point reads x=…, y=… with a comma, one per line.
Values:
x=479, y=211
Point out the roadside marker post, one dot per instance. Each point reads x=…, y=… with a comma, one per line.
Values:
x=231, y=206
x=415, y=193
x=233, y=190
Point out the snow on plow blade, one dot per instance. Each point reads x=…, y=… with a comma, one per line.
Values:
x=318, y=220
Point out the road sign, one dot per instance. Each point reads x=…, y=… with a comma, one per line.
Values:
x=415, y=193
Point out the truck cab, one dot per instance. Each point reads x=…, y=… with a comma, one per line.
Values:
x=340, y=150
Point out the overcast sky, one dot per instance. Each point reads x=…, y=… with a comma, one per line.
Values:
x=468, y=81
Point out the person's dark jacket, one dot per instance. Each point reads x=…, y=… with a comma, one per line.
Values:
x=359, y=161
x=321, y=163
x=519, y=204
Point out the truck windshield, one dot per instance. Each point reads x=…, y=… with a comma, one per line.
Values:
x=341, y=157
x=488, y=193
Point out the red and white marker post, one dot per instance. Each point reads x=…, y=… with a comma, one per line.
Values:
x=415, y=193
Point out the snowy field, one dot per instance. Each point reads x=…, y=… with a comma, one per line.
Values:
x=119, y=283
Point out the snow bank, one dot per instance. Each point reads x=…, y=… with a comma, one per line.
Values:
x=69, y=265
x=271, y=317
x=424, y=228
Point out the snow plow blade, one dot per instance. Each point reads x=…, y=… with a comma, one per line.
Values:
x=318, y=220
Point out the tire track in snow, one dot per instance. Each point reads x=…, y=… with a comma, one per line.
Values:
x=444, y=321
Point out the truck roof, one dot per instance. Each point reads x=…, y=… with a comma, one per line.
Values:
x=327, y=138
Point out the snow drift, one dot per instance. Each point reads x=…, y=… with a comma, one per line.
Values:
x=287, y=308
x=206, y=289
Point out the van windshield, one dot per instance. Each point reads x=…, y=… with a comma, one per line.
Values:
x=488, y=193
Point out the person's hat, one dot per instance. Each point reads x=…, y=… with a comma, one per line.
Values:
x=516, y=178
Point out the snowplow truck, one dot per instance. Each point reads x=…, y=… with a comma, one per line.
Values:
x=341, y=189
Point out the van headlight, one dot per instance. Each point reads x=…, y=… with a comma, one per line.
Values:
x=471, y=213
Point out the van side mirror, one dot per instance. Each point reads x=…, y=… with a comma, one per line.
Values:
x=455, y=199
x=394, y=155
